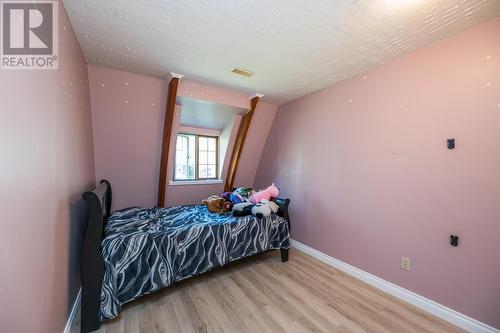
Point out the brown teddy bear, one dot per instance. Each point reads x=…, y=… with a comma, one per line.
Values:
x=216, y=204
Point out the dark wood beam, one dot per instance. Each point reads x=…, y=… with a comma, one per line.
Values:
x=167, y=134
x=238, y=144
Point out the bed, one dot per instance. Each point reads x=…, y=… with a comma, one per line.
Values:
x=137, y=251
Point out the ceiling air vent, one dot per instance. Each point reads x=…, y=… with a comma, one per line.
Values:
x=243, y=72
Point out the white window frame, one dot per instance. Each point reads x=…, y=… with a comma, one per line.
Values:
x=197, y=179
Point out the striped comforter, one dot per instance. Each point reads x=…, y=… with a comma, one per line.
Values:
x=146, y=249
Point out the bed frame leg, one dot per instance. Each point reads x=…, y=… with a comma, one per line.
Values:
x=284, y=255
x=89, y=312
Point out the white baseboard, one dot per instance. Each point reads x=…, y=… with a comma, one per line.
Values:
x=72, y=314
x=456, y=318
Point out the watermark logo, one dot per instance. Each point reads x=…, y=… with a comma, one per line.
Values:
x=29, y=35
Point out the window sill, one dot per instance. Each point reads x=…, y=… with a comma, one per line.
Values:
x=195, y=182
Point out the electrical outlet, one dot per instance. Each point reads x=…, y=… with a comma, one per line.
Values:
x=405, y=263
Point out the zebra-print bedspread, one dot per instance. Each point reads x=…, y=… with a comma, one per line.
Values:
x=147, y=249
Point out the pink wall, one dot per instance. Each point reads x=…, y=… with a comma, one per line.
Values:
x=260, y=126
x=47, y=162
x=127, y=118
x=127, y=136
x=366, y=166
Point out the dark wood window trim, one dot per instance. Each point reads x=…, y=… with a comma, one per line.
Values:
x=167, y=132
x=238, y=144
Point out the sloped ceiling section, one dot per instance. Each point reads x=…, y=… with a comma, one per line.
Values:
x=207, y=114
x=294, y=47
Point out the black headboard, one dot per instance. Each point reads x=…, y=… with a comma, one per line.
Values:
x=92, y=266
x=283, y=208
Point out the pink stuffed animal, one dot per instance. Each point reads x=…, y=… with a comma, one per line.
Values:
x=270, y=192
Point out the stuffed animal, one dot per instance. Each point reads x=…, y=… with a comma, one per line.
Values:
x=273, y=205
x=228, y=205
x=270, y=192
x=215, y=204
x=242, y=209
x=227, y=196
x=235, y=199
x=263, y=209
x=241, y=194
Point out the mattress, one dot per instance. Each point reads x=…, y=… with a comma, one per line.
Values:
x=146, y=249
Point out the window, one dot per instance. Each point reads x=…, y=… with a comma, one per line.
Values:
x=207, y=154
x=196, y=157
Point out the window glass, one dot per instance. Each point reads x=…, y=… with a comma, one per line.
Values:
x=203, y=143
x=212, y=155
x=185, y=157
x=203, y=157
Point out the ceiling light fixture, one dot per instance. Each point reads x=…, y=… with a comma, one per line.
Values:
x=241, y=71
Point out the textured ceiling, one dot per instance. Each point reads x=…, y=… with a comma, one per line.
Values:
x=294, y=47
x=206, y=114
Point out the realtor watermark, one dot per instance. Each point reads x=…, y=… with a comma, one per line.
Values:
x=29, y=35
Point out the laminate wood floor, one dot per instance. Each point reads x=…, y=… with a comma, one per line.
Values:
x=262, y=294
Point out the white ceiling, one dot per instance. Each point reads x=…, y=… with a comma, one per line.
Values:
x=206, y=114
x=294, y=47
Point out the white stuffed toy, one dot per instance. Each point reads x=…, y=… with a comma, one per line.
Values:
x=264, y=208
